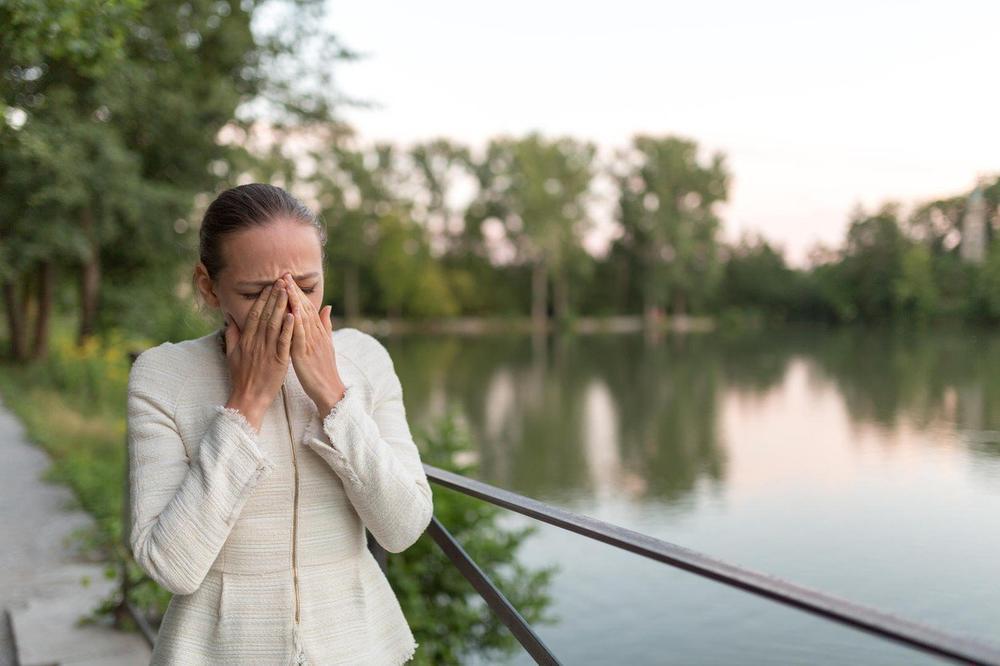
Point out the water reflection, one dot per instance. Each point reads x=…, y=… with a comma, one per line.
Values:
x=862, y=462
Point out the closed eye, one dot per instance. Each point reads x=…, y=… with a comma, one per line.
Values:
x=251, y=297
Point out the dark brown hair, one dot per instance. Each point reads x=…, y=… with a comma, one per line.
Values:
x=243, y=206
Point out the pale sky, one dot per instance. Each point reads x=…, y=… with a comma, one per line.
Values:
x=818, y=106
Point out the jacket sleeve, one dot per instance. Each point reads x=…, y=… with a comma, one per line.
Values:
x=182, y=510
x=375, y=455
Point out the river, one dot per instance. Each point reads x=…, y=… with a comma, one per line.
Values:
x=864, y=463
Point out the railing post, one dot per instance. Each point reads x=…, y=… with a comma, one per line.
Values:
x=381, y=554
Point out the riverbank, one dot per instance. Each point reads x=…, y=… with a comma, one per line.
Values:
x=491, y=325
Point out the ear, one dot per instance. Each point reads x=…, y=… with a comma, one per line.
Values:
x=205, y=286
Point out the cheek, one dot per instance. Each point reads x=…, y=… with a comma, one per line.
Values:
x=238, y=309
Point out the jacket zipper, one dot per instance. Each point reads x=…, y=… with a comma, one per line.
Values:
x=295, y=510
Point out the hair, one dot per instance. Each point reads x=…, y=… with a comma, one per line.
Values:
x=246, y=206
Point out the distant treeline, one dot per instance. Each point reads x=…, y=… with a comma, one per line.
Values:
x=122, y=118
x=439, y=229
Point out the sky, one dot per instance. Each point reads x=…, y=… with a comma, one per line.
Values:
x=818, y=107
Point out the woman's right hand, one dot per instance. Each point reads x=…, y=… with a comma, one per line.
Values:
x=258, y=355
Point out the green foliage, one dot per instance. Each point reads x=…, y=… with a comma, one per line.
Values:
x=873, y=260
x=666, y=209
x=534, y=192
x=92, y=377
x=410, y=282
x=449, y=618
x=830, y=296
x=914, y=291
x=757, y=280
x=985, y=301
x=88, y=33
x=72, y=404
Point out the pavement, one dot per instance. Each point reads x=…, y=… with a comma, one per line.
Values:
x=45, y=584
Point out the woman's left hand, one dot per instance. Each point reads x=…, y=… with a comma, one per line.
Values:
x=313, y=355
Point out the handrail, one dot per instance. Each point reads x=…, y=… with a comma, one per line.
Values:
x=913, y=634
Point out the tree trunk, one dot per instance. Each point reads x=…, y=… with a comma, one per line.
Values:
x=560, y=296
x=653, y=315
x=15, y=321
x=90, y=279
x=651, y=310
x=46, y=280
x=539, y=295
x=680, y=304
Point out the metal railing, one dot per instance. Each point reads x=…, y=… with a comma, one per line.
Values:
x=919, y=636
x=916, y=635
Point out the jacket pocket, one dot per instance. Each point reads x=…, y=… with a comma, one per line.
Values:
x=252, y=605
x=254, y=618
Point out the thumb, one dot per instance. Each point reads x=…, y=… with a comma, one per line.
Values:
x=327, y=318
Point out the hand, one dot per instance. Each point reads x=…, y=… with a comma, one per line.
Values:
x=313, y=354
x=258, y=355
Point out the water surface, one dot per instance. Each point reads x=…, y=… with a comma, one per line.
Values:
x=863, y=463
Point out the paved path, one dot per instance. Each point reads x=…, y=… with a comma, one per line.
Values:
x=41, y=593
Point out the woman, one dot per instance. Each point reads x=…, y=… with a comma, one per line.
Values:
x=258, y=455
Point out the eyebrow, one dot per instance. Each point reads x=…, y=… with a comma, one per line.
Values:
x=264, y=283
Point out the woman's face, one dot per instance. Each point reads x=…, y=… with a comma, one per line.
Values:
x=258, y=256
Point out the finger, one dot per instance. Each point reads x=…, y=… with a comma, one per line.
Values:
x=285, y=339
x=299, y=339
x=268, y=312
x=293, y=297
x=253, y=317
x=277, y=319
x=304, y=302
x=306, y=317
x=323, y=319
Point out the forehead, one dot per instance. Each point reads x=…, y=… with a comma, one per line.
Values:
x=262, y=254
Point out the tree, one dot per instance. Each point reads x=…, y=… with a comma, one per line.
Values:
x=535, y=192
x=916, y=294
x=356, y=188
x=873, y=260
x=112, y=130
x=50, y=158
x=666, y=210
x=436, y=167
x=756, y=276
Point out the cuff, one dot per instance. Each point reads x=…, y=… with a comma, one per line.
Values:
x=332, y=441
x=246, y=435
x=237, y=455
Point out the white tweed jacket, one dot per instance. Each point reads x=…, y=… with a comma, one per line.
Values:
x=261, y=536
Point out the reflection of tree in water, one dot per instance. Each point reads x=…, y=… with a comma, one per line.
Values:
x=884, y=375
x=756, y=361
x=455, y=370
x=662, y=402
x=667, y=406
x=921, y=376
x=529, y=401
